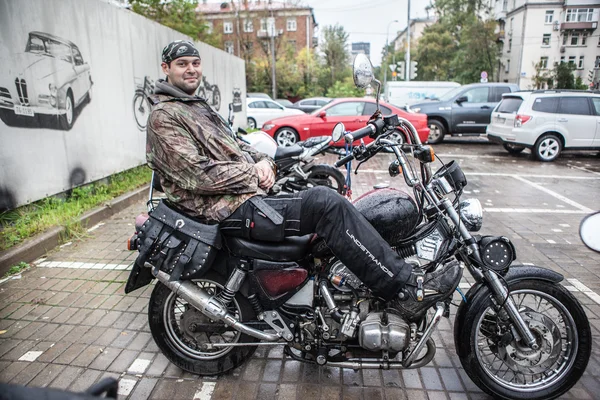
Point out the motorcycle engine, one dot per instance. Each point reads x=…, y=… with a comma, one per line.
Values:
x=375, y=330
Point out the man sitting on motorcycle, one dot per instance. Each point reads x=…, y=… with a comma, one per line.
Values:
x=209, y=174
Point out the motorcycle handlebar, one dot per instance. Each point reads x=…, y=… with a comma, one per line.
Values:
x=344, y=160
x=360, y=133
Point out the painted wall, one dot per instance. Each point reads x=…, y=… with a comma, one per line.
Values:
x=90, y=57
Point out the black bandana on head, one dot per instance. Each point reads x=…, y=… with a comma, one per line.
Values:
x=179, y=48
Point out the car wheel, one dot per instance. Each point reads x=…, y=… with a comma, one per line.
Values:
x=66, y=119
x=251, y=123
x=395, y=136
x=286, y=137
x=547, y=148
x=437, y=131
x=513, y=148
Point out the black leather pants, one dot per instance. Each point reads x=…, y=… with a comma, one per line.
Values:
x=347, y=233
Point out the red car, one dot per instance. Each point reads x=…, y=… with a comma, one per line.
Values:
x=352, y=112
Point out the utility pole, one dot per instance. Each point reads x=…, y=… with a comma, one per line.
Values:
x=408, y=45
x=271, y=29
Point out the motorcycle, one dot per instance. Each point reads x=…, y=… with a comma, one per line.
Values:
x=210, y=93
x=519, y=333
x=296, y=168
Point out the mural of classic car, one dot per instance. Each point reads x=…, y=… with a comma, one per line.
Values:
x=50, y=78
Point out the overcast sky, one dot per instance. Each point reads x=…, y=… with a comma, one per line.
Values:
x=365, y=20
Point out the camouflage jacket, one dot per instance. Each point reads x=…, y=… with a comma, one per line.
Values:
x=205, y=170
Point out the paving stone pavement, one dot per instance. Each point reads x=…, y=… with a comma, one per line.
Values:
x=66, y=323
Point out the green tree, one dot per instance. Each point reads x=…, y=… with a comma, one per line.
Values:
x=435, y=53
x=541, y=77
x=563, y=76
x=345, y=88
x=179, y=15
x=333, y=46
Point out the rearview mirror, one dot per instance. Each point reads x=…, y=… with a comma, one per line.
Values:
x=322, y=114
x=589, y=230
x=462, y=99
x=363, y=71
x=338, y=131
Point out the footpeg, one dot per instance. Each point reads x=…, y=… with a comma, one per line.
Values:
x=420, y=292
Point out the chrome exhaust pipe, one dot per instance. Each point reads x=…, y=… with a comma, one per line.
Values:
x=208, y=305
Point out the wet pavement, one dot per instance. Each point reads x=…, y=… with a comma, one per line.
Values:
x=66, y=323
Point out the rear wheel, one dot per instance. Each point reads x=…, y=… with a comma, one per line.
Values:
x=395, y=136
x=181, y=332
x=437, y=131
x=507, y=368
x=251, y=123
x=513, y=148
x=548, y=147
x=286, y=137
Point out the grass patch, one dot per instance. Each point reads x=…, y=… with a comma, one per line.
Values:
x=29, y=220
x=15, y=269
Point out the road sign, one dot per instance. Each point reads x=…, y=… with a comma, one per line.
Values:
x=392, y=67
x=484, y=75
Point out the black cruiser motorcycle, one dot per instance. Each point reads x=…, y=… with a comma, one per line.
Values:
x=518, y=332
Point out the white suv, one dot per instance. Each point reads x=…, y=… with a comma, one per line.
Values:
x=547, y=121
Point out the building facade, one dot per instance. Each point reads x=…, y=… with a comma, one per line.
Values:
x=246, y=26
x=538, y=32
x=417, y=26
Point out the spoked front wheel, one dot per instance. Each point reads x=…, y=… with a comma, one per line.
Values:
x=507, y=368
x=182, y=332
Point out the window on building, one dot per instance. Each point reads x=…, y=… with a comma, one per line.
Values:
x=565, y=38
x=562, y=59
x=249, y=47
x=584, y=36
x=549, y=16
x=291, y=24
x=580, y=64
x=580, y=15
x=574, y=38
x=512, y=20
x=546, y=39
x=263, y=24
x=248, y=26
x=209, y=27
x=509, y=45
x=572, y=60
x=597, y=62
x=227, y=27
x=544, y=63
x=507, y=66
x=229, y=47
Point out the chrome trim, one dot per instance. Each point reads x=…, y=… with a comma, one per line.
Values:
x=471, y=214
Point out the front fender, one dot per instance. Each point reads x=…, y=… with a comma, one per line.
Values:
x=515, y=273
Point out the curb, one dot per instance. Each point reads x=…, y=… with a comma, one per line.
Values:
x=37, y=246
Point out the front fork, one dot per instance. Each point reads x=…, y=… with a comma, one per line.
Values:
x=501, y=294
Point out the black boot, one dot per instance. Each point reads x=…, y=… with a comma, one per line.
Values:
x=423, y=290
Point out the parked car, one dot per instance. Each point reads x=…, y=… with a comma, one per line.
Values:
x=259, y=95
x=547, y=122
x=465, y=110
x=353, y=112
x=50, y=78
x=260, y=110
x=311, y=104
x=285, y=103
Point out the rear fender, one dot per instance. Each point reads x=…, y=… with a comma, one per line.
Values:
x=515, y=273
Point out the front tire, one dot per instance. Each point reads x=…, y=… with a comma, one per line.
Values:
x=437, y=131
x=141, y=110
x=286, y=137
x=179, y=330
x=547, y=148
x=66, y=120
x=216, y=99
x=505, y=368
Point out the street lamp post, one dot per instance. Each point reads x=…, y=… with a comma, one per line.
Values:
x=385, y=67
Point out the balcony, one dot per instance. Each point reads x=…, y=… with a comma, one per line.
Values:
x=500, y=35
x=579, y=26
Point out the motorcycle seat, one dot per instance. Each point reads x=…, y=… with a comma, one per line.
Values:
x=292, y=248
x=286, y=152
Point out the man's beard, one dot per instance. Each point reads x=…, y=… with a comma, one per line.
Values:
x=187, y=86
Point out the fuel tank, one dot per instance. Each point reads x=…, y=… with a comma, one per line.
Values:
x=392, y=212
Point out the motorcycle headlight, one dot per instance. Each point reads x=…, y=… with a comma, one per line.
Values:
x=266, y=127
x=471, y=214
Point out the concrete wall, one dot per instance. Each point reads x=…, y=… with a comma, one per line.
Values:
x=42, y=150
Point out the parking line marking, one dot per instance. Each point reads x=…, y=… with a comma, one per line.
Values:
x=502, y=174
x=583, y=169
x=126, y=386
x=554, y=194
x=533, y=210
x=81, y=265
x=139, y=366
x=30, y=356
x=585, y=290
x=206, y=392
